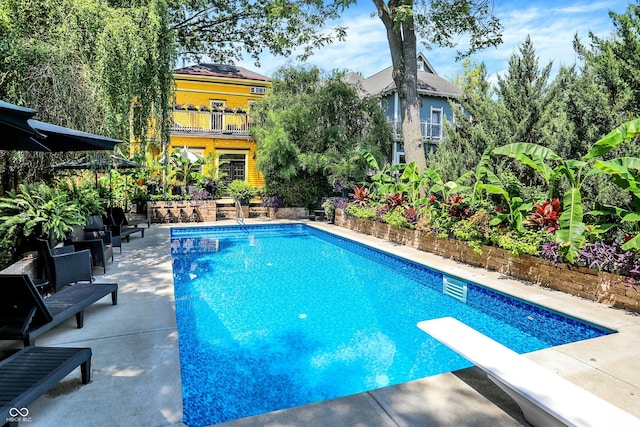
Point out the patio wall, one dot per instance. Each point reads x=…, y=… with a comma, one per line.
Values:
x=591, y=284
x=213, y=210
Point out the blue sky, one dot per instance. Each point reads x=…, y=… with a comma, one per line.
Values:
x=551, y=26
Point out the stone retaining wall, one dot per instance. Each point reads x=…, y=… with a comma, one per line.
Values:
x=598, y=286
x=27, y=265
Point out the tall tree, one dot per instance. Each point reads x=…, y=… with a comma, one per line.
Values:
x=309, y=131
x=439, y=23
x=476, y=126
x=222, y=30
x=523, y=91
x=95, y=66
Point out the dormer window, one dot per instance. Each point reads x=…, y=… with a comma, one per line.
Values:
x=420, y=65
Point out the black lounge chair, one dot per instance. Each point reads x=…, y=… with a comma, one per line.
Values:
x=98, y=242
x=63, y=266
x=29, y=373
x=119, y=217
x=95, y=223
x=24, y=314
x=121, y=232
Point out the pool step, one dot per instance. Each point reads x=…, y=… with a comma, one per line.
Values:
x=455, y=288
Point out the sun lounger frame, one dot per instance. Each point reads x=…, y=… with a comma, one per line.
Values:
x=49, y=312
x=31, y=372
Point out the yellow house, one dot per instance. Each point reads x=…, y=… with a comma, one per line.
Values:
x=212, y=114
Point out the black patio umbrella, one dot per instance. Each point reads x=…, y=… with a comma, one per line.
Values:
x=59, y=138
x=18, y=131
x=15, y=131
x=98, y=162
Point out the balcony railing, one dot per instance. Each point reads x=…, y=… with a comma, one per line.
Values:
x=222, y=123
x=431, y=132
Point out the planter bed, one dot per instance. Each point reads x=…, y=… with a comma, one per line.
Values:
x=591, y=284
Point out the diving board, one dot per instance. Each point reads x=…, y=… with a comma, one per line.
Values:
x=545, y=398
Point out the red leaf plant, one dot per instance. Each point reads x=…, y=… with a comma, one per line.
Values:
x=457, y=207
x=545, y=216
x=361, y=195
x=395, y=200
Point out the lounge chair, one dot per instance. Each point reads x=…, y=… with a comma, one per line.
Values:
x=117, y=226
x=122, y=232
x=545, y=398
x=95, y=223
x=98, y=242
x=119, y=217
x=63, y=266
x=24, y=314
x=29, y=373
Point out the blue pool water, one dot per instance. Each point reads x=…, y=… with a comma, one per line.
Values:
x=271, y=317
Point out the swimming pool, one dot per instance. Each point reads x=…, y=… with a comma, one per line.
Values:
x=271, y=317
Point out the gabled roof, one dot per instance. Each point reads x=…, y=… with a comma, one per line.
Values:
x=429, y=83
x=220, y=70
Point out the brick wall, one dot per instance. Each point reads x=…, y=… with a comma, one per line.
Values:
x=606, y=288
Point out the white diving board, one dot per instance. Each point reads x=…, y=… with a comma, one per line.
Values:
x=545, y=398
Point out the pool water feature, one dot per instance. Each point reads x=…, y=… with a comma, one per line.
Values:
x=271, y=317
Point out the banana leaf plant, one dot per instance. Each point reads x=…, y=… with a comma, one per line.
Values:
x=624, y=173
x=551, y=166
x=385, y=180
x=517, y=208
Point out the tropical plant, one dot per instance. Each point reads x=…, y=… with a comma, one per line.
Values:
x=571, y=234
x=185, y=170
x=85, y=196
x=395, y=200
x=623, y=173
x=38, y=210
x=361, y=195
x=241, y=191
x=329, y=207
x=545, y=216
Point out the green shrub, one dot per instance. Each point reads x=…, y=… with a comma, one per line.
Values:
x=396, y=218
x=365, y=212
x=517, y=243
x=241, y=190
x=475, y=230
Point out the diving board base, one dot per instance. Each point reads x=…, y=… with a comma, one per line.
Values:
x=546, y=399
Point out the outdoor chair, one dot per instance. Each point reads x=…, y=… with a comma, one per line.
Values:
x=32, y=371
x=98, y=242
x=120, y=232
x=119, y=217
x=24, y=314
x=63, y=266
x=97, y=223
x=117, y=227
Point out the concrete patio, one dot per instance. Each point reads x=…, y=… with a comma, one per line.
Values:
x=136, y=369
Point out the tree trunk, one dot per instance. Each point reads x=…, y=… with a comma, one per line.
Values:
x=402, y=45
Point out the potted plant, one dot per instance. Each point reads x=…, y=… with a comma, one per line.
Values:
x=329, y=207
x=241, y=191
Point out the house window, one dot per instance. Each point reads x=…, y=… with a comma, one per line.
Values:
x=233, y=166
x=435, y=126
x=258, y=90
